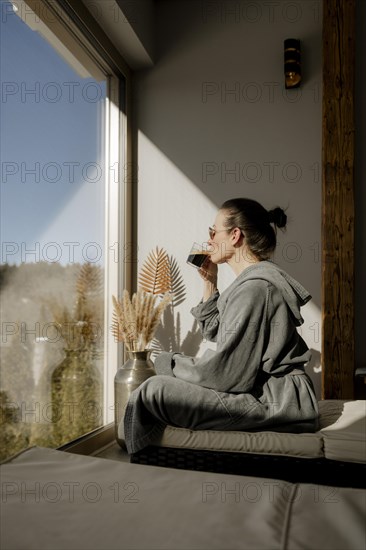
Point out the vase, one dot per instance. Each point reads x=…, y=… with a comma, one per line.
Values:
x=76, y=395
x=129, y=376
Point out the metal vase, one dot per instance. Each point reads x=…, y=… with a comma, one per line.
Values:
x=129, y=376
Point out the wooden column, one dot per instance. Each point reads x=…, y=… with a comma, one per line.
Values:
x=338, y=199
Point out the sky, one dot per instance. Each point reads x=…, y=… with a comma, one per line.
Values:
x=51, y=147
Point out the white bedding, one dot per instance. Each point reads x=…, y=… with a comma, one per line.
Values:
x=59, y=501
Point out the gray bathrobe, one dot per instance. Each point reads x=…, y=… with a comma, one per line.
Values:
x=254, y=379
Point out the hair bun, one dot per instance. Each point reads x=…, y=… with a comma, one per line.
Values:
x=278, y=217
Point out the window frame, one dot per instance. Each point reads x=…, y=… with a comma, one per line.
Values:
x=73, y=25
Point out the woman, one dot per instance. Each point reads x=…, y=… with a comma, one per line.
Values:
x=255, y=379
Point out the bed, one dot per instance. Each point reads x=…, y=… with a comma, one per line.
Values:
x=53, y=500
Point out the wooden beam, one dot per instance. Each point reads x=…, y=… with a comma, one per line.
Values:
x=338, y=199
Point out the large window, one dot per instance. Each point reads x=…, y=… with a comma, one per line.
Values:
x=60, y=203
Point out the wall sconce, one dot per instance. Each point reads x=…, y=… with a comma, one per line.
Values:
x=292, y=63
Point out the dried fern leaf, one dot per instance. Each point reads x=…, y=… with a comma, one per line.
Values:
x=155, y=273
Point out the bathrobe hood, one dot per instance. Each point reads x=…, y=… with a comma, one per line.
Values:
x=294, y=294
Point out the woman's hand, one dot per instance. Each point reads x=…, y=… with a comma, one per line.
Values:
x=208, y=273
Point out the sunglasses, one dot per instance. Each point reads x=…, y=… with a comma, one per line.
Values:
x=212, y=232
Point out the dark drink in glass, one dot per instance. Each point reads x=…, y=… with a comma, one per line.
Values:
x=197, y=255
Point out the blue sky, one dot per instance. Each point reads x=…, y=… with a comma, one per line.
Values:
x=55, y=132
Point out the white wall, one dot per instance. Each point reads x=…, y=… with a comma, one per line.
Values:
x=215, y=122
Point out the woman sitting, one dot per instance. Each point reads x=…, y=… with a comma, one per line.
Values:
x=255, y=380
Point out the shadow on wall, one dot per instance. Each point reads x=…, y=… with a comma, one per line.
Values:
x=168, y=336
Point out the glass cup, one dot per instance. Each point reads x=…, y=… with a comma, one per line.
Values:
x=198, y=254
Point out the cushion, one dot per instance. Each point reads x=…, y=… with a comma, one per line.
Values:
x=305, y=445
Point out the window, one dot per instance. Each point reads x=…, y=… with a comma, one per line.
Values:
x=62, y=139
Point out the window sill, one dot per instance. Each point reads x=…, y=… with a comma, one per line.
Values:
x=92, y=442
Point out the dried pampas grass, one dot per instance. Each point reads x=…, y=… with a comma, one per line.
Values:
x=136, y=319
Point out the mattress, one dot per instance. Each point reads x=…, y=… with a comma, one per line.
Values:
x=52, y=500
x=304, y=445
